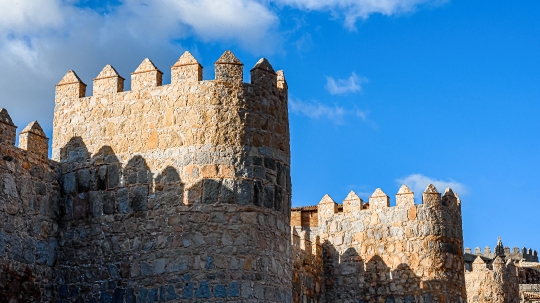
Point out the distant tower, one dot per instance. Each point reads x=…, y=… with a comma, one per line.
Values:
x=499, y=249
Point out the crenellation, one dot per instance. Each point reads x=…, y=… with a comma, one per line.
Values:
x=450, y=199
x=404, y=197
x=33, y=139
x=108, y=82
x=431, y=197
x=379, y=200
x=263, y=74
x=229, y=69
x=186, y=70
x=326, y=208
x=8, y=130
x=70, y=88
x=352, y=204
x=147, y=75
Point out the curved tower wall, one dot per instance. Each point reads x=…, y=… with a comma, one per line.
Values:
x=372, y=252
x=178, y=191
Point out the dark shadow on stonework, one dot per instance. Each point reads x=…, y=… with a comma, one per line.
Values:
x=168, y=187
x=104, y=200
x=138, y=178
x=74, y=151
x=347, y=277
x=17, y=286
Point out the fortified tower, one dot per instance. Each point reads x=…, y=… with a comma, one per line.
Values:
x=374, y=252
x=174, y=192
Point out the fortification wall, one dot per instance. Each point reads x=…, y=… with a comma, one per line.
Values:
x=376, y=253
x=308, y=273
x=29, y=199
x=175, y=192
x=498, y=284
x=515, y=254
x=529, y=272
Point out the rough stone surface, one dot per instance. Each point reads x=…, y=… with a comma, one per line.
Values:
x=151, y=194
x=377, y=253
x=498, y=284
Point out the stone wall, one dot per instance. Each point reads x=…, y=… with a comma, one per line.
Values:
x=177, y=192
x=529, y=272
x=372, y=252
x=498, y=284
x=515, y=254
x=308, y=278
x=29, y=199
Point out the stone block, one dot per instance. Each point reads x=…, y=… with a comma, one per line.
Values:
x=96, y=203
x=83, y=180
x=244, y=192
x=139, y=198
x=234, y=289
x=187, y=293
x=69, y=184
x=211, y=190
x=29, y=246
x=203, y=292
x=122, y=198
x=109, y=202
x=268, y=196
x=113, y=176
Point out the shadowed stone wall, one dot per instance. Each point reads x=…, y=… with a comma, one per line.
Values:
x=29, y=208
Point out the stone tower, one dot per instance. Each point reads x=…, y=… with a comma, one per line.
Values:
x=174, y=192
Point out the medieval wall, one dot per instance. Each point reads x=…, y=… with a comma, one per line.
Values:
x=175, y=192
x=308, y=275
x=498, y=284
x=515, y=254
x=29, y=199
x=376, y=253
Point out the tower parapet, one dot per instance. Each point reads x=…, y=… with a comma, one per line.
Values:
x=229, y=69
x=197, y=163
x=186, y=70
x=7, y=128
x=108, y=82
x=70, y=87
x=147, y=75
x=33, y=139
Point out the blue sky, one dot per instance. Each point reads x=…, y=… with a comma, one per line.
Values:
x=381, y=92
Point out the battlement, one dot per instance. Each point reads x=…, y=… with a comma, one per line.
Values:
x=186, y=71
x=32, y=138
x=516, y=254
x=313, y=216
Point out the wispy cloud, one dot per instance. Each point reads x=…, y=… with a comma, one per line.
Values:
x=352, y=84
x=418, y=183
x=352, y=10
x=315, y=110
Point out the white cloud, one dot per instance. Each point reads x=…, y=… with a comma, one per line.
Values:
x=335, y=113
x=344, y=86
x=418, y=183
x=41, y=40
x=352, y=10
x=29, y=16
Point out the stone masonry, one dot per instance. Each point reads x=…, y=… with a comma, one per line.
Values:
x=177, y=192
x=371, y=252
